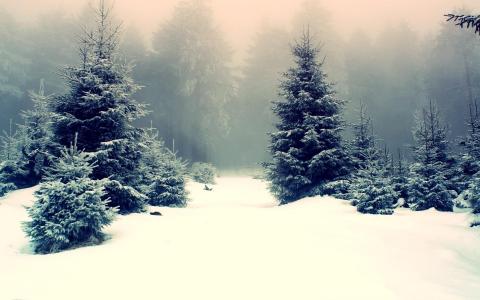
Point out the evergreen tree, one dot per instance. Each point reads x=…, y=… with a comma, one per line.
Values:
x=371, y=187
x=70, y=209
x=11, y=176
x=164, y=182
x=453, y=72
x=400, y=176
x=372, y=190
x=428, y=185
x=203, y=173
x=38, y=146
x=306, y=149
x=470, y=159
x=100, y=108
x=474, y=191
x=10, y=144
x=363, y=148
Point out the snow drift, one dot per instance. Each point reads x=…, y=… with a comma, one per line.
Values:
x=235, y=243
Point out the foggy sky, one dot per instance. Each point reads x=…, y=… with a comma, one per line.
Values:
x=239, y=19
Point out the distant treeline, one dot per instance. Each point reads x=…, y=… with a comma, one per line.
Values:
x=207, y=112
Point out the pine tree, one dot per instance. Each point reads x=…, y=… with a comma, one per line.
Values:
x=474, y=191
x=428, y=185
x=386, y=160
x=203, y=173
x=11, y=176
x=10, y=144
x=372, y=190
x=399, y=177
x=164, y=182
x=306, y=149
x=100, y=108
x=70, y=209
x=371, y=187
x=470, y=159
x=363, y=148
x=168, y=187
x=38, y=146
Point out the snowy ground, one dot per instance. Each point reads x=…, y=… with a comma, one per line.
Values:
x=235, y=243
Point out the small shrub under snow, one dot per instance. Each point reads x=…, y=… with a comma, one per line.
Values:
x=203, y=173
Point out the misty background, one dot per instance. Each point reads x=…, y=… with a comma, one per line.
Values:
x=211, y=68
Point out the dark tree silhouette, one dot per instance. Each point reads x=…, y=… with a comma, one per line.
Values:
x=465, y=21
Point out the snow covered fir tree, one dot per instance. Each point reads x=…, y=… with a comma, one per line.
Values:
x=307, y=147
x=363, y=148
x=164, y=173
x=70, y=209
x=372, y=191
x=10, y=153
x=470, y=159
x=428, y=183
x=38, y=145
x=100, y=108
x=28, y=148
x=371, y=188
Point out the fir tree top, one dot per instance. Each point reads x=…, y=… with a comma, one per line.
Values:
x=72, y=164
x=430, y=135
x=305, y=87
x=99, y=105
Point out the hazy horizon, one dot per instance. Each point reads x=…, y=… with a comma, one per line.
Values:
x=241, y=19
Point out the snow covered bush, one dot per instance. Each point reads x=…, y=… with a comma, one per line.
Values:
x=123, y=197
x=372, y=192
x=168, y=187
x=375, y=199
x=428, y=191
x=339, y=189
x=163, y=173
x=474, y=199
x=11, y=173
x=70, y=209
x=6, y=188
x=203, y=172
x=67, y=215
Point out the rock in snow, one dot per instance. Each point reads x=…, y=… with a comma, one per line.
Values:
x=236, y=243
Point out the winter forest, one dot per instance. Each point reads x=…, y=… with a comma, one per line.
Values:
x=207, y=149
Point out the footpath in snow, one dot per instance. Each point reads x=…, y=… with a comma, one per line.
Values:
x=235, y=243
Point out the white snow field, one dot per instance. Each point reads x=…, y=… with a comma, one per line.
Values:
x=235, y=243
